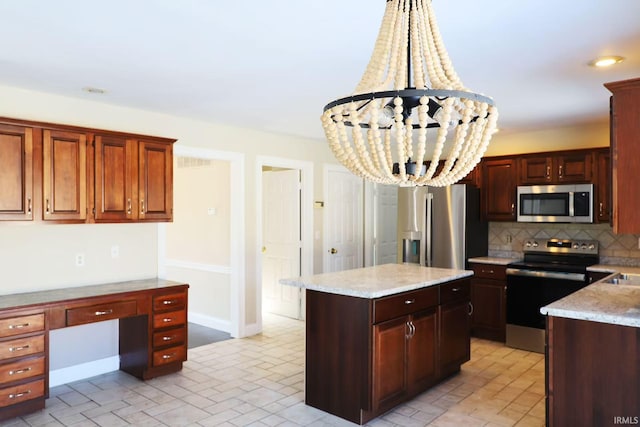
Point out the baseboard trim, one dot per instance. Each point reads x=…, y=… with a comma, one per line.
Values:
x=83, y=371
x=210, y=322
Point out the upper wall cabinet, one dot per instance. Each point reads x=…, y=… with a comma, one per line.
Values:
x=625, y=161
x=499, y=181
x=68, y=174
x=16, y=173
x=133, y=179
x=559, y=168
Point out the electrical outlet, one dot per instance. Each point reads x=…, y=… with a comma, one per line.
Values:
x=115, y=251
x=79, y=260
x=509, y=238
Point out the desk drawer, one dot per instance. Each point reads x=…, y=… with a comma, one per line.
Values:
x=21, y=325
x=393, y=306
x=100, y=312
x=21, y=393
x=455, y=291
x=21, y=369
x=21, y=347
x=169, y=302
x=169, y=355
x=169, y=337
x=172, y=318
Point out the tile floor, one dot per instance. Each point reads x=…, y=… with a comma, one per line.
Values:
x=258, y=381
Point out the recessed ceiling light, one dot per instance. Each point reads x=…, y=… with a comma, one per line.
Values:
x=606, y=61
x=95, y=90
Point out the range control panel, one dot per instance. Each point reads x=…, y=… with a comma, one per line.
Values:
x=587, y=247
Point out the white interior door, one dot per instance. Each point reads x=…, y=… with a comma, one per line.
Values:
x=385, y=224
x=343, y=220
x=281, y=241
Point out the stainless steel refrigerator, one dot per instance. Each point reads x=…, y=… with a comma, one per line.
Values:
x=440, y=226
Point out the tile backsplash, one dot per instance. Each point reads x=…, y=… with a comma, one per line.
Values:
x=507, y=238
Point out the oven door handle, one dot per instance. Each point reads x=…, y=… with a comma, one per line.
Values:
x=575, y=277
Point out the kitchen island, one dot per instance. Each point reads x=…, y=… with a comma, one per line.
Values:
x=378, y=336
x=593, y=356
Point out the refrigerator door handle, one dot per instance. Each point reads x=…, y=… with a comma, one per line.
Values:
x=428, y=239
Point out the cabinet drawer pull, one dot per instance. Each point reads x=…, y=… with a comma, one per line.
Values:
x=29, y=205
x=19, y=371
x=128, y=206
x=409, y=301
x=168, y=356
x=548, y=175
x=20, y=326
x=167, y=319
x=102, y=313
x=48, y=205
x=20, y=394
x=455, y=289
x=169, y=301
x=488, y=271
x=167, y=338
x=470, y=308
x=560, y=171
x=142, y=206
x=24, y=347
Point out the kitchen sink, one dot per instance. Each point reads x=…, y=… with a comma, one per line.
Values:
x=624, y=279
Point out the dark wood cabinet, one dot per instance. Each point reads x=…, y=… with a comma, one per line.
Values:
x=489, y=301
x=556, y=168
x=602, y=202
x=593, y=374
x=68, y=174
x=625, y=162
x=365, y=356
x=64, y=175
x=16, y=173
x=498, y=193
x=133, y=179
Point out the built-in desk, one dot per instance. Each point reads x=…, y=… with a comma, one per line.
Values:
x=153, y=333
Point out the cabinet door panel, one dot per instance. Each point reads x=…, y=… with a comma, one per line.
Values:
x=489, y=309
x=574, y=168
x=114, y=198
x=389, y=380
x=16, y=173
x=64, y=175
x=454, y=337
x=535, y=170
x=499, y=189
x=421, y=363
x=603, y=186
x=155, y=181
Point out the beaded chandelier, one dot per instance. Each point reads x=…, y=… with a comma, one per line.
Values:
x=409, y=95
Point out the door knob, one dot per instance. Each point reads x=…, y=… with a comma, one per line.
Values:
x=333, y=251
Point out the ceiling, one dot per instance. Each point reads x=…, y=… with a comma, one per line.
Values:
x=273, y=65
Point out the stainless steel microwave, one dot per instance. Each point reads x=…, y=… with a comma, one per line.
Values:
x=555, y=203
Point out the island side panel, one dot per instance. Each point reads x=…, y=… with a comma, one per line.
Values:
x=593, y=372
x=338, y=343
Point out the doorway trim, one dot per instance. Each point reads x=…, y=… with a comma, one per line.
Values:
x=237, y=262
x=306, y=218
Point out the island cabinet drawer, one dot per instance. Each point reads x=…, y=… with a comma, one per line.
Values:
x=21, y=347
x=169, y=337
x=393, y=306
x=459, y=290
x=100, y=312
x=169, y=355
x=21, y=369
x=489, y=271
x=169, y=302
x=21, y=393
x=21, y=325
x=169, y=319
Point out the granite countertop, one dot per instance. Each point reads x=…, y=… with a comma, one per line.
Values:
x=378, y=281
x=493, y=260
x=600, y=302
